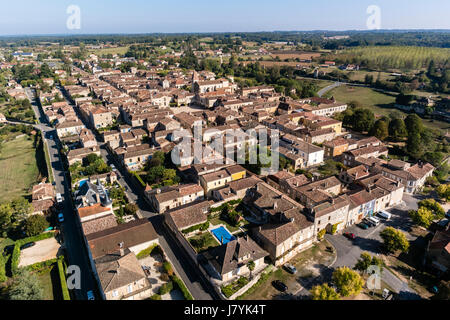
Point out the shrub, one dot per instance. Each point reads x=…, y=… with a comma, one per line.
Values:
x=168, y=268
x=321, y=234
x=2, y=268
x=155, y=297
x=166, y=288
x=146, y=252
x=187, y=295
x=15, y=258
x=201, y=227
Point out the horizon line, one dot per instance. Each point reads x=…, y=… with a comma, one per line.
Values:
x=213, y=32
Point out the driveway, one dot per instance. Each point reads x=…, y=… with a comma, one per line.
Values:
x=43, y=250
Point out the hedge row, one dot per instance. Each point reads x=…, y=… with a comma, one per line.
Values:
x=15, y=257
x=166, y=288
x=146, y=252
x=187, y=295
x=139, y=179
x=41, y=265
x=39, y=237
x=62, y=278
x=201, y=226
x=229, y=203
x=2, y=268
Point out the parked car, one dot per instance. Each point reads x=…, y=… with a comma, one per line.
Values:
x=350, y=236
x=374, y=221
x=61, y=217
x=28, y=245
x=290, y=268
x=113, y=168
x=280, y=285
x=90, y=295
x=385, y=215
x=59, y=198
x=363, y=226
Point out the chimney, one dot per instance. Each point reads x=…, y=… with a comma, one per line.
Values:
x=97, y=196
x=275, y=205
x=121, y=250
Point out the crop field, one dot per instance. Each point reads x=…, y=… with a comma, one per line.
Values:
x=393, y=57
x=19, y=170
x=294, y=55
x=105, y=51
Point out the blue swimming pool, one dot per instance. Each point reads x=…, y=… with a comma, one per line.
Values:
x=223, y=235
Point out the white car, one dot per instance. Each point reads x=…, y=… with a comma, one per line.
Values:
x=113, y=168
x=59, y=198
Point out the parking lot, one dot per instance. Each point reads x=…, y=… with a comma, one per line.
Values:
x=42, y=251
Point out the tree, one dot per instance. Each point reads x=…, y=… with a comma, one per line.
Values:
x=251, y=266
x=414, y=145
x=422, y=217
x=25, y=287
x=434, y=206
x=442, y=190
x=6, y=218
x=34, y=225
x=130, y=209
x=394, y=240
x=363, y=120
x=347, y=281
x=397, y=128
x=324, y=292
x=363, y=262
x=413, y=124
x=380, y=129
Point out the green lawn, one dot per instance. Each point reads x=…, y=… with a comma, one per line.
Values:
x=210, y=241
x=19, y=170
x=217, y=221
x=379, y=103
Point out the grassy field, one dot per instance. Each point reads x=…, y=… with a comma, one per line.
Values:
x=19, y=170
x=105, y=51
x=379, y=103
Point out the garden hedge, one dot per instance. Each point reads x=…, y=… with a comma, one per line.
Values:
x=62, y=278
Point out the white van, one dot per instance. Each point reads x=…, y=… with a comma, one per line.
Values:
x=385, y=215
x=59, y=198
x=374, y=221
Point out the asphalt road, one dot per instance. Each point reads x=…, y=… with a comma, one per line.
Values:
x=330, y=87
x=348, y=251
x=199, y=287
x=71, y=230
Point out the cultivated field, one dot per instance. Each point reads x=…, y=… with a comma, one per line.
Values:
x=105, y=51
x=19, y=170
x=394, y=57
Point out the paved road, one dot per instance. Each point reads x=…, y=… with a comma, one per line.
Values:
x=199, y=287
x=348, y=252
x=330, y=87
x=71, y=230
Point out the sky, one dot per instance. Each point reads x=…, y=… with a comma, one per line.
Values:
x=28, y=17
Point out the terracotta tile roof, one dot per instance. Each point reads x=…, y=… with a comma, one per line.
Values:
x=99, y=224
x=92, y=210
x=131, y=234
x=189, y=215
x=234, y=254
